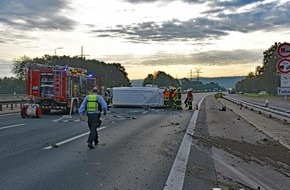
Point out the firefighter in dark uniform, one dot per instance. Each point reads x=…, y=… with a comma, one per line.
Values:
x=177, y=99
x=108, y=97
x=189, y=99
x=166, y=95
x=93, y=104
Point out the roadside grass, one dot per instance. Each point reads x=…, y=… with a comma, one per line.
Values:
x=218, y=95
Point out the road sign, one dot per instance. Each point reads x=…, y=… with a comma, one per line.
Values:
x=283, y=91
x=283, y=66
x=285, y=80
x=284, y=50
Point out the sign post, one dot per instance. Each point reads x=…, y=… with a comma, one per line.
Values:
x=283, y=66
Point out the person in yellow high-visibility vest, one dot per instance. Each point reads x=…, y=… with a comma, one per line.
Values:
x=93, y=104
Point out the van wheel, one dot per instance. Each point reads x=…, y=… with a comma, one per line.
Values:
x=74, y=107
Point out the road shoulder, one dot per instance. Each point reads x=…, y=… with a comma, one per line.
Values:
x=244, y=155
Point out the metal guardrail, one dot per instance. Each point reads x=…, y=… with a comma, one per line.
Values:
x=12, y=96
x=12, y=101
x=11, y=104
x=271, y=111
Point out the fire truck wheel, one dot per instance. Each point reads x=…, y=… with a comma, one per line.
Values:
x=38, y=112
x=23, y=112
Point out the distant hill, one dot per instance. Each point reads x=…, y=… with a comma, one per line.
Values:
x=226, y=82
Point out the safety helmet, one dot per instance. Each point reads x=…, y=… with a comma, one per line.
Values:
x=95, y=89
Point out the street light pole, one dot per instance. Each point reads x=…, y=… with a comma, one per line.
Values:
x=56, y=49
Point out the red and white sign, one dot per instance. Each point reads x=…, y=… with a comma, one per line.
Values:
x=284, y=50
x=283, y=66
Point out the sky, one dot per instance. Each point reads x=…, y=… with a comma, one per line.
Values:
x=182, y=38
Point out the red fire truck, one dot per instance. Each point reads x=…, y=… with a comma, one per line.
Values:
x=58, y=87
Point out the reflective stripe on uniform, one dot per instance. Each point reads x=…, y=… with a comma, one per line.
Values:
x=92, y=104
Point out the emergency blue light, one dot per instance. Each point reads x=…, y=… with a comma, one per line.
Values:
x=90, y=75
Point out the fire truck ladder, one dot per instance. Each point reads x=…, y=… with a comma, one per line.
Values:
x=57, y=85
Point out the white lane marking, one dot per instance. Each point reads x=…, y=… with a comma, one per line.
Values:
x=176, y=176
x=71, y=139
x=11, y=126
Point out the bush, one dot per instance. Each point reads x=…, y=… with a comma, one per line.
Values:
x=218, y=95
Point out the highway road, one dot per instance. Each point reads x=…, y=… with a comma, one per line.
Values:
x=139, y=149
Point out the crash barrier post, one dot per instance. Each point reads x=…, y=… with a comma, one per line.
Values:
x=12, y=104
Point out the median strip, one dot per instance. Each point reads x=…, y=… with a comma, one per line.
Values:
x=176, y=176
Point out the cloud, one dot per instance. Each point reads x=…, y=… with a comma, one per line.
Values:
x=192, y=30
x=35, y=15
x=232, y=3
x=267, y=17
x=152, y=1
x=210, y=58
x=213, y=25
x=5, y=68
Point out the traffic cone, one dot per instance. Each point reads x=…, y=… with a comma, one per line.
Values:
x=196, y=107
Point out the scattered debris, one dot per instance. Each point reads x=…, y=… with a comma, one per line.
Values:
x=54, y=145
x=224, y=108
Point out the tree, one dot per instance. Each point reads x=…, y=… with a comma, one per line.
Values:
x=11, y=85
x=20, y=66
x=265, y=77
x=161, y=79
x=148, y=80
x=111, y=74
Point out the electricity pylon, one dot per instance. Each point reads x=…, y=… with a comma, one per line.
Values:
x=190, y=75
x=82, y=53
x=197, y=71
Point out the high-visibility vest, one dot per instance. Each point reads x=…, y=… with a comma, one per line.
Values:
x=92, y=104
x=166, y=95
x=174, y=94
x=178, y=96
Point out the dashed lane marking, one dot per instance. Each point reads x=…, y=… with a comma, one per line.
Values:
x=70, y=139
x=11, y=126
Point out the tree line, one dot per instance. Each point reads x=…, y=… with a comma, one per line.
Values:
x=111, y=74
x=265, y=78
x=163, y=80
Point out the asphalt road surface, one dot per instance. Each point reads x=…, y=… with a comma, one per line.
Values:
x=142, y=149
